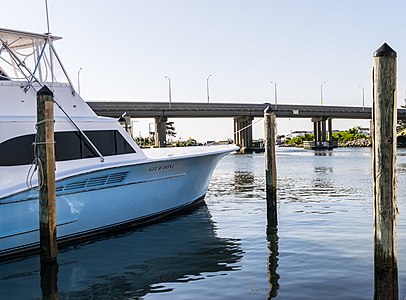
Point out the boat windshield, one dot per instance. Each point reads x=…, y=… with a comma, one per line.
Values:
x=30, y=57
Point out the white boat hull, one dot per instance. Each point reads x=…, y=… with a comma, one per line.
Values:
x=108, y=199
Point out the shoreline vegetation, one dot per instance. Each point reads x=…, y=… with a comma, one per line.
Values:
x=150, y=143
x=353, y=137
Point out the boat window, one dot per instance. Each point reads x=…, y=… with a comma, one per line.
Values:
x=104, y=142
x=122, y=147
x=17, y=151
x=68, y=145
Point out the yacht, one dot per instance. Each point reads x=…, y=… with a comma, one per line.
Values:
x=104, y=180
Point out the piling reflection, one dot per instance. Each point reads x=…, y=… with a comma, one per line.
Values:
x=323, y=170
x=244, y=181
x=272, y=238
x=49, y=280
x=323, y=153
x=322, y=180
x=128, y=265
x=273, y=277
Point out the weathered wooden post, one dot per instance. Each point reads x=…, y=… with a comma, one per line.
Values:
x=46, y=175
x=270, y=168
x=384, y=117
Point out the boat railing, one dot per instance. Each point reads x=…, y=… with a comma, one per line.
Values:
x=40, y=63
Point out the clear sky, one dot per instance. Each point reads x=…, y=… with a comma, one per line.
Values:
x=127, y=47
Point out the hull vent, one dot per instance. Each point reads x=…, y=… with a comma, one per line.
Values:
x=94, y=182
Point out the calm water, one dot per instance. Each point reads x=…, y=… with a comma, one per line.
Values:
x=323, y=248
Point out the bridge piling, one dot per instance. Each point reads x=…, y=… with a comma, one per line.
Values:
x=330, y=129
x=243, y=133
x=160, y=131
x=323, y=133
x=125, y=121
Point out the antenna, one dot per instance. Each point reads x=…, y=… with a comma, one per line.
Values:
x=46, y=9
x=50, y=47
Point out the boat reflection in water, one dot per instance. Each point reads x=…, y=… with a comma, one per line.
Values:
x=129, y=265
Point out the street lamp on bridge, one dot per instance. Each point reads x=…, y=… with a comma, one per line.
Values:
x=363, y=97
x=170, y=96
x=207, y=86
x=275, y=94
x=321, y=92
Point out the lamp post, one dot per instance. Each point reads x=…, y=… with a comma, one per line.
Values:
x=275, y=94
x=207, y=87
x=363, y=97
x=79, y=81
x=321, y=92
x=170, y=96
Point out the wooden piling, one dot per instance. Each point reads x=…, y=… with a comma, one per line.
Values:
x=46, y=175
x=270, y=168
x=384, y=117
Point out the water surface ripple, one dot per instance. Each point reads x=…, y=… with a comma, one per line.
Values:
x=323, y=248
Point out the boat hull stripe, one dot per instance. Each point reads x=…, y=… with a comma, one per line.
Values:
x=5, y=202
x=32, y=230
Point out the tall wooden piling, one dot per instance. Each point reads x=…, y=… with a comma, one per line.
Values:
x=46, y=175
x=270, y=168
x=384, y=117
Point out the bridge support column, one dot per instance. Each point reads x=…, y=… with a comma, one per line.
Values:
x=315, y=131
x=243, y=133
x=330, y=129
x=323, y=133
x=125, y=121
x=249, y=132
x=237, y=132
x=323, y=130
x=160, y=131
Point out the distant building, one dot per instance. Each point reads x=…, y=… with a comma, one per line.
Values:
x=296, y=133
x=365, y=131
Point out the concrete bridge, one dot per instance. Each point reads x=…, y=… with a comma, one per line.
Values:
x=243, y=114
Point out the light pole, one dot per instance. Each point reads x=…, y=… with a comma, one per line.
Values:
x=321, y=92
x=79, y=81
x=170, y=96
x=405, y=98
x=275, y=94
x=207, y=87
x=363, y=97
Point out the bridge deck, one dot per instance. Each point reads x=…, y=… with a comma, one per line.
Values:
x=223, y=110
